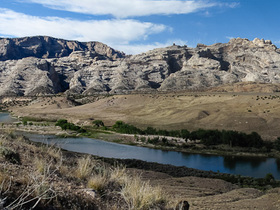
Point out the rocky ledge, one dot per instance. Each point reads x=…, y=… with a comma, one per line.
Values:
x=45, y=65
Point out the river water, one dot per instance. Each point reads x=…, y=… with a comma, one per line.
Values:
x=6, y=118
x=246, y=166
x=255, y=167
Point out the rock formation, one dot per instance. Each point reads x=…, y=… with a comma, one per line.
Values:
x=45, y=65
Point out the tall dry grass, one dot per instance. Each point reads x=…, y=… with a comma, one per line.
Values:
x=141, y=195
x=85, y=166
x=136, y=193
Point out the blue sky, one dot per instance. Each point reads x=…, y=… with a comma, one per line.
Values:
x=135, y=26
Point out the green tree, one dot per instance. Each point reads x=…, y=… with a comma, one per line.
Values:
x=24, y=122
x=277, y=144
x=150, y=131
x=98, y=123
x=269, y=178
x=185, y=134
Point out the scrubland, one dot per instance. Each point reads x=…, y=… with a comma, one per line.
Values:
x=40, y=176
x=245, y=112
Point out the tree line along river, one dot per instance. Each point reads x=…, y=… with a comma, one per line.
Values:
x=247, y=166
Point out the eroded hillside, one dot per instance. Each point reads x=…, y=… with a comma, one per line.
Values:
x=45, y=65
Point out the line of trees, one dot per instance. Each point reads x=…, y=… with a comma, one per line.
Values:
x=207, y=137
x=229, y=137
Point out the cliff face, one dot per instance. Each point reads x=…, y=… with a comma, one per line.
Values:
x=48, y=47
x=45, y=65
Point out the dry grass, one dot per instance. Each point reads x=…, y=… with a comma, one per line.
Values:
x=54, y=152
x=4, y=182
x=97, y=182
x=136, y=193
x=49, y=174
x=119, y=175
x=40, y=165
x=85, y=166
x=53, y=184
x=38, y=189
x=177, y=111
x=141, y=195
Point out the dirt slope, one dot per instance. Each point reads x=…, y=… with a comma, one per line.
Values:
x=246, y=112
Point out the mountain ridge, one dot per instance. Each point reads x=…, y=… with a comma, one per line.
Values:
x=44, y=65
x=50, y=47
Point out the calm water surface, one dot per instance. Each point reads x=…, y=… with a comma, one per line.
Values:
x=5, y=117
x=247, y=166
x=255, y=167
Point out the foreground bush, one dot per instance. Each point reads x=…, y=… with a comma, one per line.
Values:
x=141, y=195
x=49, y=178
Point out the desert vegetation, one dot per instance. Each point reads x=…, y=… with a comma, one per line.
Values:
x=64, y=124
x=42, y=176
x=74, y=180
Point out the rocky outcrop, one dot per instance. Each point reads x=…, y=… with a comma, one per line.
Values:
x=45, y=65
x=48, y=47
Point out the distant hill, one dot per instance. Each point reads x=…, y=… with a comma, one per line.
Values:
x=44, y=65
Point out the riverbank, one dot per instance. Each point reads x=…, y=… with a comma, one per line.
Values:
x=63, y=186
x=40, y=176
x=164, y=143
x=224, y=164
x=171, y=144
x=180, y=145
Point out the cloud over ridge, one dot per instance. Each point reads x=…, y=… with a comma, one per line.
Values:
x=119, y=23
x=107, y=31
x=127, y=8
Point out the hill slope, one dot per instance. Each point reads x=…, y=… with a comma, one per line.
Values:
x=245, y=112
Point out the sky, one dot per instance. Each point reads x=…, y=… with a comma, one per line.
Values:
x=136, y=26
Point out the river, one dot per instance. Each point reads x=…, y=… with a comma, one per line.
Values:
x=6, y=118
x=246, y=166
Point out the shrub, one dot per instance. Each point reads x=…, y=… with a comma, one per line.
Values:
x=24, y=122
x=122, y=127
x=64, y=124
x=269, y=178
x=277, y=144
x=153, y=140
x=10, y=155
x=164, y=140
x=84, y=167
x=61, y=122
x=97, y=182
x=150, y=131
x=141, y=195
x=98, y=123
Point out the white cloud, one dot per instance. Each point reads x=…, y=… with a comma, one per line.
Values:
x=107, y=31
x=277, y=43
x=230, y=37
x=127, y=8
x=232, y=5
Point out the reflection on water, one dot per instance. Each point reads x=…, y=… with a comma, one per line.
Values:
x=247, y=166
x=232, y=161
x=6, y=118
x=278, y=164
